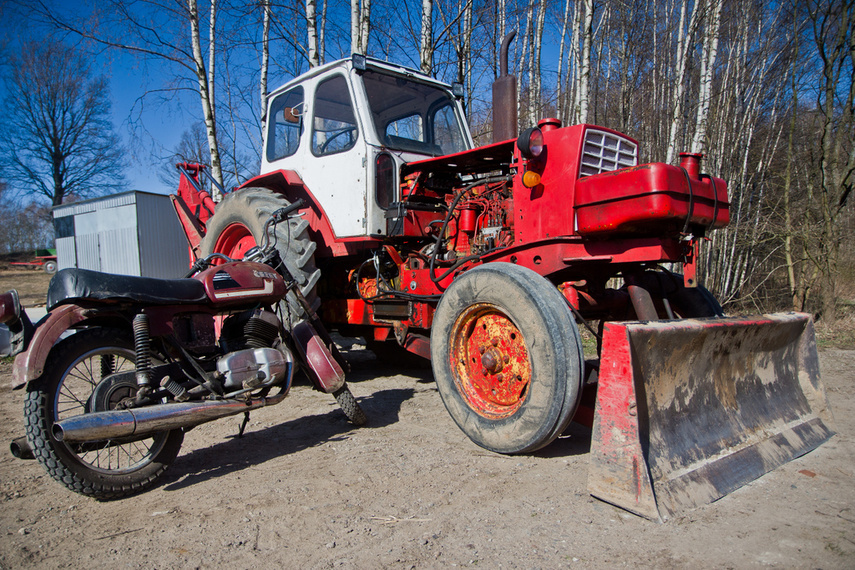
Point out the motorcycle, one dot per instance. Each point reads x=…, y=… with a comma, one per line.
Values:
x=121, y=367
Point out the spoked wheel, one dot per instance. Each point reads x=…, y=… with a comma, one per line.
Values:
x=507, y=358
x=105, y=469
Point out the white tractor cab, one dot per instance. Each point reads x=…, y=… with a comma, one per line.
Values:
x=351, y=124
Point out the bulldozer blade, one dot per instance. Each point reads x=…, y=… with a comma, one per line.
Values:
x=688, y=411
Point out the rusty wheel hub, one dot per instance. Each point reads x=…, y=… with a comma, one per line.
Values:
x=491, y=361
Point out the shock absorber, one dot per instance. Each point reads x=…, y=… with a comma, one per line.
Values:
x=142, y=347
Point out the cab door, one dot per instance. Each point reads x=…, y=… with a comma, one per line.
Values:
x=335, y=170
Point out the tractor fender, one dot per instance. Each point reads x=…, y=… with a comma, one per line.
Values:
x=289, y=184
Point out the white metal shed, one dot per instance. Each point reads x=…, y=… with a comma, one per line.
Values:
x=132, y=233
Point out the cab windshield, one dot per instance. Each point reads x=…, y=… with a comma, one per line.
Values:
x=413, y=117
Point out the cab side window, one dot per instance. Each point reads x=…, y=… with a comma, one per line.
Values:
x=334, y=123
x=285, y=124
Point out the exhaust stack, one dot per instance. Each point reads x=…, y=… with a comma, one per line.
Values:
x=505, y=97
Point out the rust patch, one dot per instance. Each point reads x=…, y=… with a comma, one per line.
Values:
x=491, y=361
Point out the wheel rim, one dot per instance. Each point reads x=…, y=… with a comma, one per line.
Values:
x=73, y=397
x=235, y=241
x=489, y=357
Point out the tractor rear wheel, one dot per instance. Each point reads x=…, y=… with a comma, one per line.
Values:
x=507, y=357
x=237, y=226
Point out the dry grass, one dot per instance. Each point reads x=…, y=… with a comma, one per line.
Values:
x=839, y=335
x=32, y=285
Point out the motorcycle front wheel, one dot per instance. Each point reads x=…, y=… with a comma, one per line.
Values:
x=106, y=469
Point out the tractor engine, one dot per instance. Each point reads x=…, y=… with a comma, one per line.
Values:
x=479, y=219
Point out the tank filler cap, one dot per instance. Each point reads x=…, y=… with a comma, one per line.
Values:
x=549, y=124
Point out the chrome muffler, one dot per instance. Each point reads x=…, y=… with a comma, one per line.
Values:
x=21, y=449
x=139, y=422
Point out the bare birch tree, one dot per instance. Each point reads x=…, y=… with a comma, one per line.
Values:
x=360, y=25
x=206, y=93
x=685, y=39
x=426, y=45
x=312, y=33
x=708, y=61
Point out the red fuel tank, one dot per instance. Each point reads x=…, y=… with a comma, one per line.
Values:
x=242, y=283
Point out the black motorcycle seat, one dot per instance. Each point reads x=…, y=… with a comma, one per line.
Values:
x=82, y=285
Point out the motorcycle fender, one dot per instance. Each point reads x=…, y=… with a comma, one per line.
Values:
x=30, y=364
x=326, y=373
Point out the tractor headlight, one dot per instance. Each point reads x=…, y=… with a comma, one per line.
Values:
x=530, y=142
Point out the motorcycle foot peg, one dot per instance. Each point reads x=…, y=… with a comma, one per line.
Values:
x=176, y=390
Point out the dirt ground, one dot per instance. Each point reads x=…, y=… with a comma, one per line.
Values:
x=303, y=488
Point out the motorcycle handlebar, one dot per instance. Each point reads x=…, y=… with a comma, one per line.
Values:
x=282, y=213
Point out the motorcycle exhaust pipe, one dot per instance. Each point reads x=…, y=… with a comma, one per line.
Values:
x=21, y=449
x=139, y=422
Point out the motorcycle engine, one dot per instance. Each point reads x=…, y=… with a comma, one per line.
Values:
x=251, y=361
x=256, y=368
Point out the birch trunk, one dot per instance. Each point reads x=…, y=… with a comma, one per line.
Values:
x=560, y=84
x=355, y=16
x=312, y=32
x=364, y=25
x=322, y=47
x=426, y=44
x=684, y=43
x=710, y=51
x=212, y=55
x=265, y=60
x=205, y=96
x=535, y=87
x=585, y=64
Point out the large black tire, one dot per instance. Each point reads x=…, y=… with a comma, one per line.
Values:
x=507, y=358
x=686, y=302
x=108, y=470
x=239, y=223
x=350, y=406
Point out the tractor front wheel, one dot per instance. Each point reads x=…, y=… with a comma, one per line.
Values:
x=507, y=358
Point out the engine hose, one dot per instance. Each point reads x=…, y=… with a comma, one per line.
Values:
x=391, y=293
x=439, y=236
x=142, y=347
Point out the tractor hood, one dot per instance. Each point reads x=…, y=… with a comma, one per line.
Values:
x=480, y=160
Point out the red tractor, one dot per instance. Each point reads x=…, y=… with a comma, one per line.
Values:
x=487, y=261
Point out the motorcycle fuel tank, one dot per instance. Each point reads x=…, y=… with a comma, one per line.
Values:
x=242, y=283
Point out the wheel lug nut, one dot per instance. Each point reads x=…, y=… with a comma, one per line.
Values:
x=495, y=341
x=500, y=377
x=507, y=359
x=484, y=371
x=481, y=349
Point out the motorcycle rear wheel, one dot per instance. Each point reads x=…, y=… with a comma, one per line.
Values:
x=104, y=470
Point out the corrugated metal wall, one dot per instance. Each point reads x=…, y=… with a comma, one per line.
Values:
x=159, y=231
x=135, y=233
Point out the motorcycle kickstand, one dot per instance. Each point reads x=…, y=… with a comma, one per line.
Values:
x=243, y=424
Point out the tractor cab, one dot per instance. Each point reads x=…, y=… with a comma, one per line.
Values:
x=350, y=125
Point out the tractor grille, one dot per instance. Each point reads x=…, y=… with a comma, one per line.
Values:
x=604, y=152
